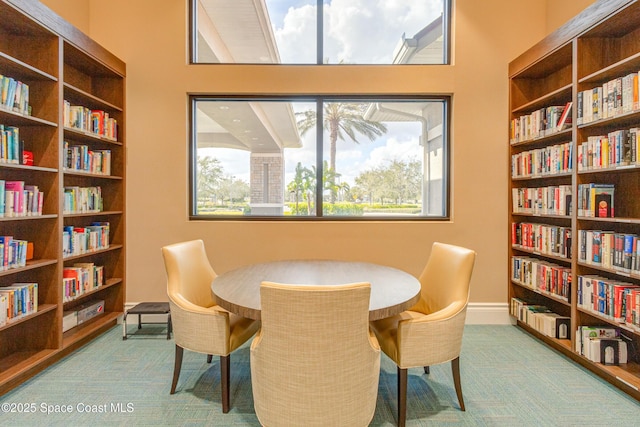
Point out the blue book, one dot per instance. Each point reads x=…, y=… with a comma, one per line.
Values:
x=627, y=257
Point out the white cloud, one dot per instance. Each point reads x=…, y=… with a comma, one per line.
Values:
x=393, y=150
x=358, y=31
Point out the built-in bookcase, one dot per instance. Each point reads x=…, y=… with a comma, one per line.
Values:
x=594, y=57
x=60, y=66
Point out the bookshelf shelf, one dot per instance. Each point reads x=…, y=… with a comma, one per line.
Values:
x=28, y=168
x=28, y=218
x=537, y=215
x=87, y=329
x=73, y=93
x=547, y=99
x=57, y=63
x=602, y=318
x=111, y=248
x=23, y=120
x=91, y=175
x=544, y=140
x=20, y=363
x=544, y=177
x=44, y=308
x=11, y=66
x=108, y=283
x=591, y=56
x=540, y=254
x=87, y=136
x=545, y=294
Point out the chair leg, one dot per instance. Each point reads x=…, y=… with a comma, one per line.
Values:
x=455, y=369
x=176, y=368
x=426, y=370
x=209, y=358
x=225, y=366
x=402, y=396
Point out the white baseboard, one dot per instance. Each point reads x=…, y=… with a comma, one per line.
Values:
x=478, y=313
x=488, y=313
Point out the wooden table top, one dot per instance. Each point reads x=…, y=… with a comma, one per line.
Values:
x=392, y=290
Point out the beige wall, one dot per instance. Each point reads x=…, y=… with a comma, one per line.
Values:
x=74, y=11
x=559, y=11
x=152, y=40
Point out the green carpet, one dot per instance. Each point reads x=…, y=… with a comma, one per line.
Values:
x=508, y=379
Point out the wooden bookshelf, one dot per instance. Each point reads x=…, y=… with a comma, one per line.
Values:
x=58, y=63
x=599, y=45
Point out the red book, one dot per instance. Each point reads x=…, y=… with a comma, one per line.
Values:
x=27, y=158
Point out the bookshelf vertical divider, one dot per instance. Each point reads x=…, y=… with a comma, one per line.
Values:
x=574, y=186
x=63, y=159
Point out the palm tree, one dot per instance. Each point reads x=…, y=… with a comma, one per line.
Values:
x=301, y=185
x=341, y=119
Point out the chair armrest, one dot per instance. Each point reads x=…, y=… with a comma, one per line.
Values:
x=375, y=345
x=444, y=314
x=256, y=340
x=431, y=339
x=200, y=329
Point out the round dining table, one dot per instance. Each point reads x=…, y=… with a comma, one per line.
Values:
x=392, y=290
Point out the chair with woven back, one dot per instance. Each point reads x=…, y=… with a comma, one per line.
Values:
x=199, y=324
x=431, y=332
x=314, y=361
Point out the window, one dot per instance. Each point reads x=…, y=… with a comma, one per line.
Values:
x=345, y=32
x=319, y=157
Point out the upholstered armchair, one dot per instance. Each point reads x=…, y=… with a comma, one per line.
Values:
x=314, y=361
x=198, y=323
x=431, y=331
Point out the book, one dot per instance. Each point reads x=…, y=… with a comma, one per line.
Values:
x=565, y=118
x=585, y=333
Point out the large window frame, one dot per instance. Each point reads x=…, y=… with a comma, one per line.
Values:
x=320, y=54
x=319, y=100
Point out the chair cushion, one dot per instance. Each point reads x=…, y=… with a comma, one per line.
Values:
x=386, y=330
x=240, y=330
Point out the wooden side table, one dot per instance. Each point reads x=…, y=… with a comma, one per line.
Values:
x=148, y=308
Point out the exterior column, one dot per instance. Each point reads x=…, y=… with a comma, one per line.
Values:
x=267, y=184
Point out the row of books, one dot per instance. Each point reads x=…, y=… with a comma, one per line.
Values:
x=614, y=97
x=541, y=122
x=550, y=160
x=542, y=276
x=541, y=318
x=608, y=249
x=542, y=238
x=612, y=299
x=596, y=200
x=97, y=122
x=17, y=300
x=14, y=95
x=11, y=146
x=82, y=158
x=617, y=148
x=601, y=344
x=80, y=279
x=551, y=200
x=18, y=199
x=82, y=199
x=13, y=253
x=81, y=240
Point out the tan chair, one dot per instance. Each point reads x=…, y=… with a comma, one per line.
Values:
x=431, y=331
x=198, y=323
x=314, y=361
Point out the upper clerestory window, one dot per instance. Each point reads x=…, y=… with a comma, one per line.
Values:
x=317, y=32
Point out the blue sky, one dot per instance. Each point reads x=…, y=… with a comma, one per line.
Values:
x=356, y=31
